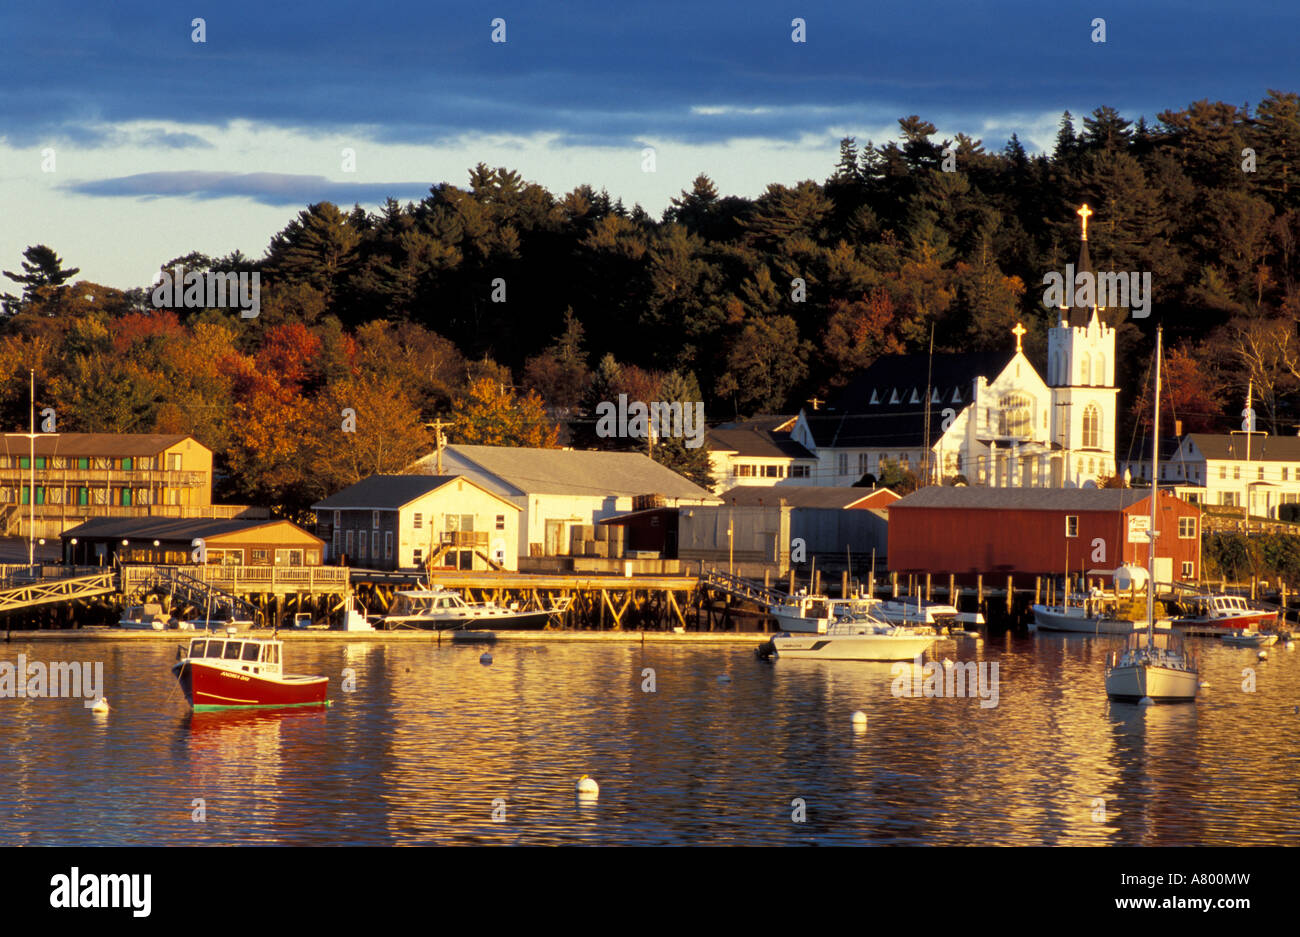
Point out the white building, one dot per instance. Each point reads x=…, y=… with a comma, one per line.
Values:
x=558, y=488
x=405, y=521
x=759, y=452
x=1252, y=470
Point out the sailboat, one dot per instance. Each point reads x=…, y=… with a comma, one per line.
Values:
x=1142, y=671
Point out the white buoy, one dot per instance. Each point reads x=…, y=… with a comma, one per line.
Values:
x=723, y=678
x=1204, y=684
x=1146, y=701
x=586, y=786
x=859, y=720
x=1290, y=645
x=485, y=659
x=101, y=706
x=1262, y=655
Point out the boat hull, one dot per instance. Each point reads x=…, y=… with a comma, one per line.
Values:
x=1133, y=682
x=1250, y=639
x=524, y=621
x=1217, y=626
x=208, y=688
x=884, y=647
x=797, y=624
x=1053, y=620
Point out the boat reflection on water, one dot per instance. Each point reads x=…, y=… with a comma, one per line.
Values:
x=1152, y=753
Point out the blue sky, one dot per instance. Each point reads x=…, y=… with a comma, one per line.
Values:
x=162, y=145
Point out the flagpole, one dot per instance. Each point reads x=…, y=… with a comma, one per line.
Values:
x=31, y=464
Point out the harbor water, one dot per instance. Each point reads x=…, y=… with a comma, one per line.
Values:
x=690, y=744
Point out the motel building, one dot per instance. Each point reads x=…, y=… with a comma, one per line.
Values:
x=1030, y=532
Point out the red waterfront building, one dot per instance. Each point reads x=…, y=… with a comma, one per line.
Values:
x=1030, y=532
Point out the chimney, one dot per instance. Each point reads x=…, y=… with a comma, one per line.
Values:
x=1178, y=428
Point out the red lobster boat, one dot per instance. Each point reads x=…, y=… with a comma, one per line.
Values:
x=242, y=672
x=1220, y=614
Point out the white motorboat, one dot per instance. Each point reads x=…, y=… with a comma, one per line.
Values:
x=1145, y=671
x=148, y=617
x=1249, y=638
x=916, y=612
x=438, y=609
x=227, y=625
x=803, y=613
x=856, y=639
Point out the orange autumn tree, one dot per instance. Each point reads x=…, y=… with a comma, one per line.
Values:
x=488, y=412
x=1190, y=392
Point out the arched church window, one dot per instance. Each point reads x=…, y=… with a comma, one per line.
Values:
x=1015, y=411
x=1091, y=427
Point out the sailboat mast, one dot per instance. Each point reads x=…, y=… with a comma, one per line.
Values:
x=1151, y=534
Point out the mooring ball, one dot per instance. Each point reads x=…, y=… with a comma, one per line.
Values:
x=587, y=786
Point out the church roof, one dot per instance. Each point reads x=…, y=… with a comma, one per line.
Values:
x=883, y=406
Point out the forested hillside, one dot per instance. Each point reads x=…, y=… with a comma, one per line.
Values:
x=753, y=305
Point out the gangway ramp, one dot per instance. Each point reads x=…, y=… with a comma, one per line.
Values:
x=27, y=587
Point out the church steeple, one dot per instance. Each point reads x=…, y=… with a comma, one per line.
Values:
x=1082, y=315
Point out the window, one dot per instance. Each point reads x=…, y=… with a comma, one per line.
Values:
x=1072, y=525
x=374, y=545
x=745, y=471
x=347, y=543
x=1223, y=472
x=501, y=522
x=1187, y=569
x=361, y=544
x=1284, y=473
x=232, y=650
x=1091, y=427
x=772, y=471
x=252, y=651
x=1261, y=473
x=1186, y=528
x=419, y=521
x=862, y=463
x=374, y=519
x=338, y=518
x=173, y=461
x=842, y=464
x=1236, y=472
x=1015, y=413
x=260, y=558
x=388, y=544
x=419, y=557
x=799, y=471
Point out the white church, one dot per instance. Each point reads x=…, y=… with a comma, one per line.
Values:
x=992, y=419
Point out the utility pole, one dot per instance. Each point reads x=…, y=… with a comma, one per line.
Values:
x=437, y=426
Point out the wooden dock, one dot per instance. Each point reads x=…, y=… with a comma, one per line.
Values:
x=595, y=601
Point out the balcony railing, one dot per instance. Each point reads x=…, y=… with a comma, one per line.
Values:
x=20, y=512
x=244, y=578
x=463, y=538
x=74, y=476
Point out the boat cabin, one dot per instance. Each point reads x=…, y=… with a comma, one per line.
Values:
x=1225, y=606
x=425, y=602
x=252, y=655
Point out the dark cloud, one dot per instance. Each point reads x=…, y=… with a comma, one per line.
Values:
x=425, y=73
x=268, y=188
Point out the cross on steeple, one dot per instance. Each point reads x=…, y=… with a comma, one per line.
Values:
x=815, y=402
x=1084, y=213
x=1018, y=332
